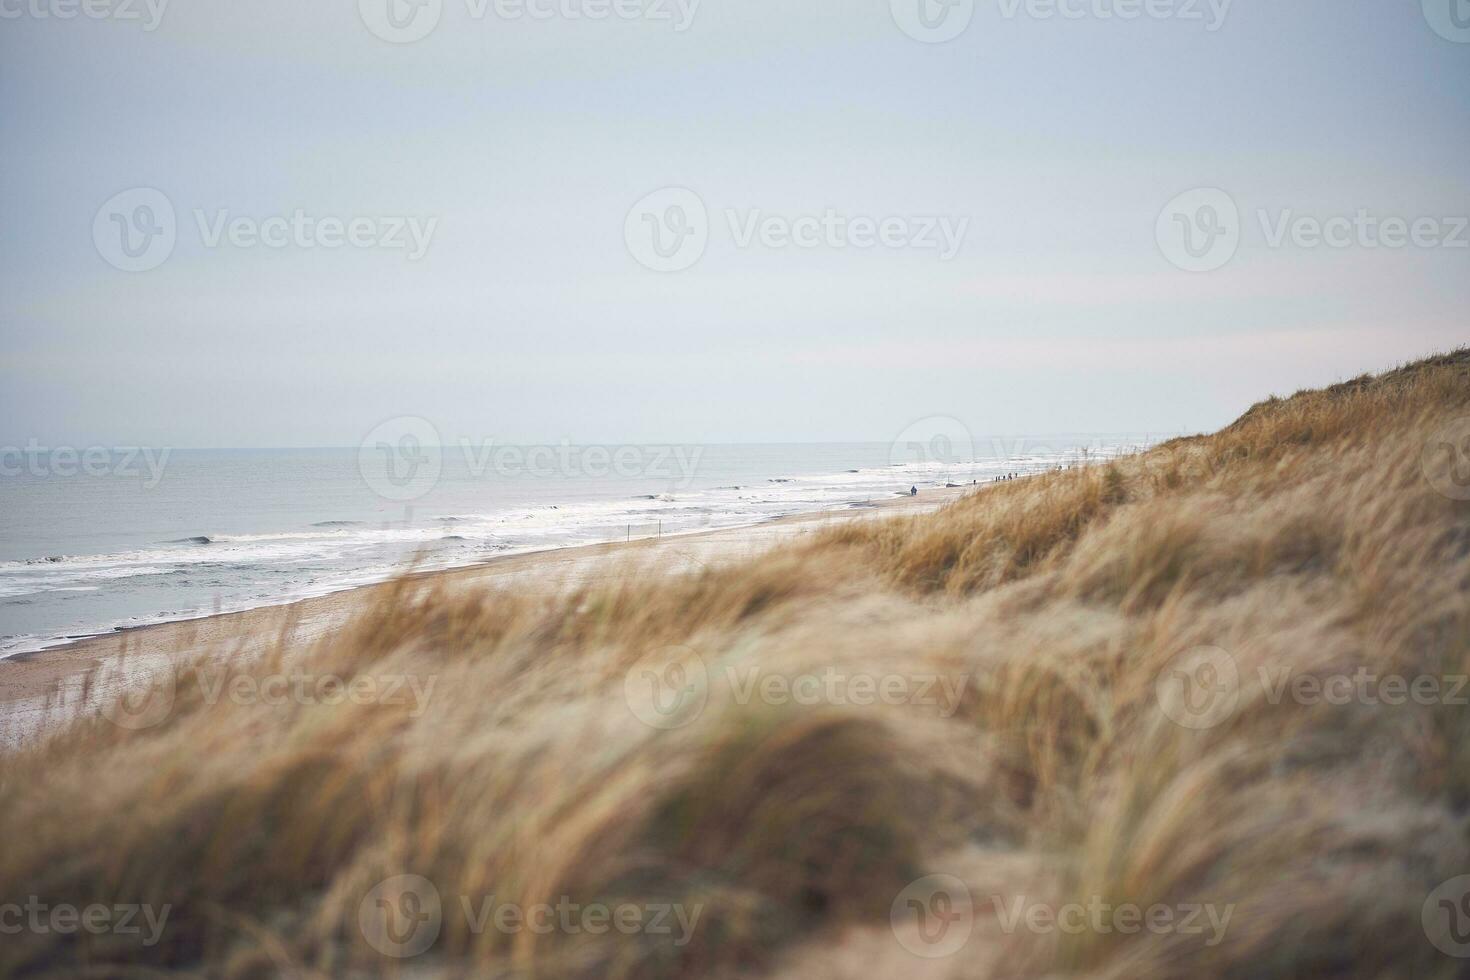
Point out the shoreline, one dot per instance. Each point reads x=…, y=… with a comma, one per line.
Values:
x=56, y=643
x=39, y=688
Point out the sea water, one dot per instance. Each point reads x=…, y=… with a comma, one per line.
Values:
x=184, y=533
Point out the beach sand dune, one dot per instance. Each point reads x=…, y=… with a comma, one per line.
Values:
x=47, y=688
x=1195, y=713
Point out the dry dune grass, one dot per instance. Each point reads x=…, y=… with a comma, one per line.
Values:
x=1030, y=748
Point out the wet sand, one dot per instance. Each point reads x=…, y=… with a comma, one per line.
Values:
x=42, y=689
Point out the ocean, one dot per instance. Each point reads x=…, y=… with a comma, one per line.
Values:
x=110, y=538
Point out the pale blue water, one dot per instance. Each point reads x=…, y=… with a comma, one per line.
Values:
x=87, y=550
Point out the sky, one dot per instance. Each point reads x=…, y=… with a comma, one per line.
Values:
x=283, y=223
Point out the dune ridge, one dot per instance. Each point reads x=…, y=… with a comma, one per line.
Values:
x=998, y=693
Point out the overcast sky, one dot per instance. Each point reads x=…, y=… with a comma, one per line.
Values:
x=1052, y=150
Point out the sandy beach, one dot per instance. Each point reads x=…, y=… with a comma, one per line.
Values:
x=42, y=689
x=1103, y=695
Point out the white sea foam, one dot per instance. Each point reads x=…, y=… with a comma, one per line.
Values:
x=207, y=571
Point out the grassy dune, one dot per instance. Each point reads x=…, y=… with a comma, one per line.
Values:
x=1076, y=700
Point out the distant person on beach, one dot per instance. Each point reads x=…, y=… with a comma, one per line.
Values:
x=913, y=491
